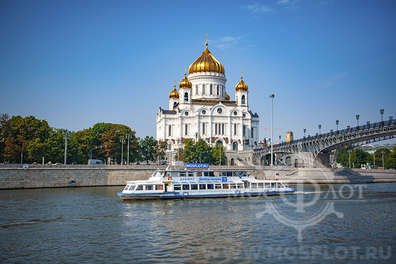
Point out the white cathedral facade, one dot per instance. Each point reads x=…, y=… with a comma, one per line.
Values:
x=202, y=109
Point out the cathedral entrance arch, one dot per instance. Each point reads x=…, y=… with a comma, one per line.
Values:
x=235, y=146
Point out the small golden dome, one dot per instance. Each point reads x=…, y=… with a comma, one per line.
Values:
x=185, y=83
x=241, y=86
x=227, y=96
x=174, y=93
x=206, y=63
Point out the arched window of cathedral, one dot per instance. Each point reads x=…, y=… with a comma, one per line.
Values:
x=185, y=97
x=203, y=112
x=235, y=113
x=219, y=110
x=196, y=89
x=203, y=89
x=218, y=90
x=174, y=104
x=211, y=90
x=243, y=99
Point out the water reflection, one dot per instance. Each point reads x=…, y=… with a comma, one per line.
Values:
x=93, y=225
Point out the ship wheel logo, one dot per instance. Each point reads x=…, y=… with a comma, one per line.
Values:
x=304, y=208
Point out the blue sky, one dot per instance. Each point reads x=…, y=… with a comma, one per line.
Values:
x=76, y=63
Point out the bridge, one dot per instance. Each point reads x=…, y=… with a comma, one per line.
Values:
x=305, y=152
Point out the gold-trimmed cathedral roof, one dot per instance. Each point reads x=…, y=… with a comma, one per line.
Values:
x=206, y=63
x=241, y=85
x=174, y=93
x=185, y=83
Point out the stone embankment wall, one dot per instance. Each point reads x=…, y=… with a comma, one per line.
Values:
x=19, y=178
x=327, y=176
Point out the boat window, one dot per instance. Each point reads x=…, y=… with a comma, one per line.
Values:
x=177, y=187
x=149, y=187
x=182, y=174
x=139, y=188
x=186, y=187
x=194, y=186
x=233, y=186
x=240, y=185
x=225, y=186
x=126, y=188
x=229, y=173
x=210, y=186
x=159, y=187
x=217, y=186
x=132, y=187
x=211, y=173
x=202, y=186
x=272, y=185
x=190, y=174
x=254, y=185
x=199, y=173
x=261, y=185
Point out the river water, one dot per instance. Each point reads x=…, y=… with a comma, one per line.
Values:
x=338, y=224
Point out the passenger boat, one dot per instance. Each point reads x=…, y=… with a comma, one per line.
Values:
x=176, y=184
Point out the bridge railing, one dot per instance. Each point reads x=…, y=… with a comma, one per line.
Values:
x=366, y=127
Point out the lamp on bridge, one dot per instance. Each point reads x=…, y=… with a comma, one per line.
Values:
x=337, y=123
x=382, y=115
x=272, y=96
x=320, y=127
x=357, y=119
x=305, y=130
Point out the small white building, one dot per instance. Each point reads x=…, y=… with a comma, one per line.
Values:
x=202, y=109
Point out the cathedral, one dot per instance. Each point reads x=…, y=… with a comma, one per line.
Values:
x=202, y=109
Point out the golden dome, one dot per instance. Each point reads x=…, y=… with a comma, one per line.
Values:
x=241, y=86
x=174, y=93
x=185, y=83
x=206, y=63
x=227, y=96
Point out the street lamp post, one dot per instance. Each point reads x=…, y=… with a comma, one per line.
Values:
x=65, y=157
x=349, y=158
x=320, y=127
x=280, y=137
x=305, y=130
x=357, y=120
x=128, y=137
x=383, y=163
x=382, y=114
x=272, y=96
x=374, y=159
x=122, y=150
x=337, y=123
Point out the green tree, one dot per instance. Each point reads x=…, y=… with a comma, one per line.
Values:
x=378, y=156
x=189, y=150
x=218, y=155
x=359, y=157
x=391, y=161
x=148, y=148
x=160, y=150
x=343, y=157
x=203, y=152
x=21, y=135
